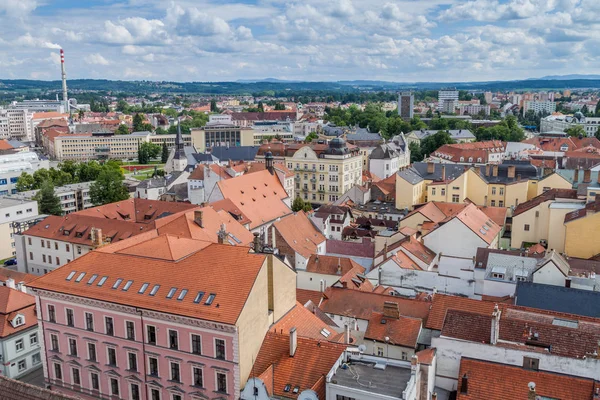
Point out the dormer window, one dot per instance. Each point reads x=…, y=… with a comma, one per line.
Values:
x=18, y=321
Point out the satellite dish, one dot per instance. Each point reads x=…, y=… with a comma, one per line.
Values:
x=308, y=395
x=362, y=348
x=531, y=385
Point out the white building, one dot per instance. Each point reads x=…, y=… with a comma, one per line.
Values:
x=11, y=167
x=16, y=124
x=19, y=340
x=13, y=211
x=450, y=94
x=539, y=106
x=473, y=109
x=385, y=161
x=558, y=123
x=39, y=105
x=73, y=197
x=331, y=220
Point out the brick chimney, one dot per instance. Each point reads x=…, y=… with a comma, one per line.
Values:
x=339, y=267
x=391, y=310
x=511, y=171
x=531, y=395
x=257, y=243
x=222, y=235
x=495, y=170
x=487, y=170
x=293, y=341
x=495, y=332
x=430, y=167
x=347, y=333
x=97, y=239
x=199, y=218
x=587, y=176
x=443, y=172
x=576, y=176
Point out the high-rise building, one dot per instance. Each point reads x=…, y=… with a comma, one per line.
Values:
x=539, y=106
x=220, y=131
x=488, y=96
x=448, y=94
x=406, y=103
x=16, y=124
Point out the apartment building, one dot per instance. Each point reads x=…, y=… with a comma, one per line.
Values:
x=446, y=96
x=74, y=197
x=547, y=107
x=16, y=124
x=13, y=164
x=221, y=131
x=102, y=146
x=558, y=123
x=39, y=105
x=19, y=337
x=486, y=152
x=13, y=211
x=265, y=130
x=406, y=105
x=103, y=326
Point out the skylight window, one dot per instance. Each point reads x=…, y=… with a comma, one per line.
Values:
x=198, y=297
x=154, y=290
x=127, y=286
x=182, y=294
x=80, y=277
x=92, y=279
x=71, y=275
x=296, y=389
x=325, y=332
x=171, y=292
x=102, y=280
x=117, y=283
x=210, y=299
x=287, y=388
x=143, y=288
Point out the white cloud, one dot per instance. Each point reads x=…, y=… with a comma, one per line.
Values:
x=17, y=8
x=96, y=59
x=29, y=41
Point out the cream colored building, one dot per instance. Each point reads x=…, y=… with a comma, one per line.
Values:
x=84, y=147
x=221, y=131
x=324, y=172
x=13, y=211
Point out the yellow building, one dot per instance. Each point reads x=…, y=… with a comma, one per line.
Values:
x=582, y=236
x=221, y=131
x=541, y=219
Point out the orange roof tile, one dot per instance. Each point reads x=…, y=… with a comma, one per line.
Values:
x=478, y=222
x=165, y=247
x=227, y=271
x=426, y=356
x=493, y=381
x=50, y=114
x=328, y=265
x=259, y=196
x=354, y=279
x=228, y=206
x=136, y=210
x=4, y=145
x=300, y=233
x=6, y=273
x=304, y=295
x=13, y=302
x=311, y=362
x=306, y=323
x=441, y=303
x=403, y=331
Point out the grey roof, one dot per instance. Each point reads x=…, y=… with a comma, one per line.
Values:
x=399, y=142
x=453, y=171
x=524, y=169
x=141, y=133
x=333, y=130
x=558, y=298
x=456, y=134
x=152, y=183
x=237, y=153
x=15, y=143
x=557, y=259
x=411, y=175
x=569, y=174
x=511, y=265
x=390, y=381
x=180, y=191
x=383, y=152
x=363, y=134
x=204, y=158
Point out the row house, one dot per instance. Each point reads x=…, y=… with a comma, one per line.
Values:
x=151, y=332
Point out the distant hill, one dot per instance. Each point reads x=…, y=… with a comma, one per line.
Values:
x=570, y=77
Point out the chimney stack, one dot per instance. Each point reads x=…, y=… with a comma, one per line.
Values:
x=443, y=173
x=531, y=395
x=339, y=267
x=10, y=282
x=495, y=325
x=434, y=396
x=495, y=170
x=21, y=286
x=567, y=282
x=511, y=171
x=293, y=341
x=64, y=80
x=221, y=235
x=430, y=167
x=97, y=239
x=587, y=176
x=198, y=218
x=391, y=310
x=257, y=244
x=347, y=333
x=487, y=170
x=269, y=162
x=576, y=176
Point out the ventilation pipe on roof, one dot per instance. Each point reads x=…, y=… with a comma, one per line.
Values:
x=347, y=333
x=339, y=267
x=322, y=285
x=293, y=341
x=495, y=332
x=531, y=395
x=10, y=282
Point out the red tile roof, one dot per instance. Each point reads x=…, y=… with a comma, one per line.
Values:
x=6, y=273
x=136, y=210
x=229, y=207
x=365, y=249
x=403, y=331
x=492, y=381
x=259, y=196
x=13, y=302
x=306, y=369
x=355, y=280
x=17, y=390
x=304, y=295
x=328, y=265
x=354, y=303
x=4, y=145
x=307, y=324
x=227, y=271
x=300, y=233
x=548, y=195
x=441, y=303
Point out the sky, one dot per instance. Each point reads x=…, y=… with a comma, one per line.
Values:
x=310, y=40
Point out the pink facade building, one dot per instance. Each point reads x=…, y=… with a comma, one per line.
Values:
x=165, y=318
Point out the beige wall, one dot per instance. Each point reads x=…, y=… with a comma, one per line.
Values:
x=515, y=194
x=582, y=237
x=6, y=249
x=408, y=195
x=413, y=221
x=477, y=189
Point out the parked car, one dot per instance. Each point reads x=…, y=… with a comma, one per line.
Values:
x=11, y=261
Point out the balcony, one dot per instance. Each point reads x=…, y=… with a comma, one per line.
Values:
x=305, y=189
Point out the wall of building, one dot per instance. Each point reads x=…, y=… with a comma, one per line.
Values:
x=549, y=274
x=37, y=259
x=11, y=358
x=388, y=350
x=515, y=194
x=454, y=239
x=408, y=195
x=581, y=239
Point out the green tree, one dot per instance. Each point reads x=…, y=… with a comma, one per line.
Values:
x=170, y=112
x=138, y=122
x=279, y=106
x=598, y=109
x=148, y=151
x=160, y=131
x=433, y=142
x=40, y=176
x=439, y=124
x=429, y=113
x=122, y=130
x=298, y=204
x=25, y=182
x=165, y=153
x=213, y=106
x=415, y=152
x=89, y=171
x=261, y=107
x=81, y=114
x=597, y=135
x=575, y=131
x=108, y=187
x=48, y=201
x=310, y=137
x=122, y=106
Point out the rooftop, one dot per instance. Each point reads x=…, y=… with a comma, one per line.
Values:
x=548, y=195
x=558, y=298
x=13, y=302
x=390, y=381
x=328, y=265
x=299, y=233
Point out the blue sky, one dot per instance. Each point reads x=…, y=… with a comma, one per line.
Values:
x=211, y=40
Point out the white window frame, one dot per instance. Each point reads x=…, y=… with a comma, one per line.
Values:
x=22, y=345
x=73, y=376
x=171, y=371
x=203, y=376
x=33, y=362
x=24, y=361
x=108, y=358
x=110, y=389
x=33, y=339
x=215, y=348
x=192, y=344
x=99, y=390
x=217, y=372
x=134, y=330
x=131, y=389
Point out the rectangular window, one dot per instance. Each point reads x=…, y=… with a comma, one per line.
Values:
x=196, y=344
x=33, y=339
x=130, y=330
x=108, y=322
x=73, y=347
x=175, y=397
x=19, y=345
x=151, y=334
x=526, y=227
x=57, y=372
x=54, y=342
x=531, y=363
x=220, y=349
x=29, y=241
x=112, y=356
x=89, y=321
x=114, y=387
x=21, y=365
x=92, y=352
x=43, y=257
x=55, y=245
x=175, y=376
x=132, y=358
x=36, y=359
x=501, y=191
x=433, y=191
x=493, y=203
x=493, y=190
x=155, y=394
x=455, y=198
x=198, y=378
x=95, y=381
x=30, y=255
x=500, y=203
x=135, y=391
x=70, y=319
x=153, y=366
x=173, y=339
x=76, y=377
x=221, y=382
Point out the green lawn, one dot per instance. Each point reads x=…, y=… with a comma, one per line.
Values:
x=137, y=163
x=145, y=174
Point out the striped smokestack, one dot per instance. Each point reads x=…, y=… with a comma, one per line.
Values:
x=64, y=80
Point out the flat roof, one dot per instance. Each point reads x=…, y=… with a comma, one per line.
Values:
x=7, y=202
x=390, y=381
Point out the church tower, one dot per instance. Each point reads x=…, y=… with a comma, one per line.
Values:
x=179, y=161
